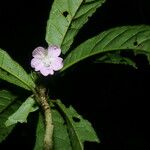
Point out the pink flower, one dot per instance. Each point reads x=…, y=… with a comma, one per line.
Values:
x=47, y=60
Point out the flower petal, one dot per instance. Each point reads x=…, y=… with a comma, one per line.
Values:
x=37, y=64
x=46, y=71
x=39, y=52
x=47, y=61
x=57, y=63
x=54, y=51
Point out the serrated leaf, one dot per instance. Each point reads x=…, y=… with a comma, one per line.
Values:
x=12, y=72
x=6, y=98
x=80, y=130
x=66, y=18
x=22, y=113
x=5, y=131
x=40, y=131
x=135, y=38
x=114, y=58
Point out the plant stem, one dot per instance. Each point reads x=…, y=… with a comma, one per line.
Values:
x=42, y=100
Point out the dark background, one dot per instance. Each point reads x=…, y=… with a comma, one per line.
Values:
x=114, y=98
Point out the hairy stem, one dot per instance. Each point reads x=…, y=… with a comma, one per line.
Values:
x=42, y=100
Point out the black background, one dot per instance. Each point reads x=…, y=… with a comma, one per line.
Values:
x=114, y=98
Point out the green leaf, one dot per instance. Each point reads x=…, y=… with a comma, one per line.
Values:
x=80, y=130
x=66, y=18
x=6, y=98
x=115, y=58
x=61, y=139
x=13, y=72
x=60, y=136
x=22, y=113
x=5, y=131
x=40, y=131
x=135, y=38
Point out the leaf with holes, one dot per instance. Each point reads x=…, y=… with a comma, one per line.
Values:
x=135, y=38
x=6, y=110
x=22, y=113
x=66, y=18
x=80, y=130
x=13, y=72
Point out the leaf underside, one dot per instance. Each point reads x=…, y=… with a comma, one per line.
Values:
x=136, y=38
x=66, y=18
x=13, y=72
x=22, y=113
x=115, y=58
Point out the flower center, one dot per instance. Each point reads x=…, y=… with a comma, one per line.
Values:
x=47, y=61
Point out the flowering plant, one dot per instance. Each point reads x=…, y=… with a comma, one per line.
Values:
x=60, y=127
